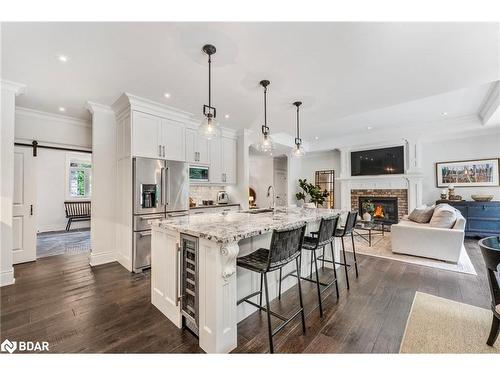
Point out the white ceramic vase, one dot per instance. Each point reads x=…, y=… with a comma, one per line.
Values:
x=367, y=216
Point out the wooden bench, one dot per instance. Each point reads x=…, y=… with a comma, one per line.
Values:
x=77, y=211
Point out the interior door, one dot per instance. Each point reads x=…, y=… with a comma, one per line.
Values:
x=24, y=208
x=280, y=184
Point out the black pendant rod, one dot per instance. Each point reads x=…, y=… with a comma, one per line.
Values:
x=264, y=83
x=298, y=140
x=209, y=80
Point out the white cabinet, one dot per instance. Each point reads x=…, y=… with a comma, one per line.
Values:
x=146, y=130
x=215, y=171
x=157, y=137
x=223, y=161
x=228, y=160
x=197, y=148
x=173, y=140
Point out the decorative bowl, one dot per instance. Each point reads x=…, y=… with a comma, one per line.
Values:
x=482, y=198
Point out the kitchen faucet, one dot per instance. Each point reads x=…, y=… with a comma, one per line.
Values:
x=274, y=195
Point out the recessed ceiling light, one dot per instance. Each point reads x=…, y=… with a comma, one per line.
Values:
x=369, y=127
x=226, y=115
x=62, y=109
x=63, y=58
x=316, y=138
x=166, y=95
x=444, y=113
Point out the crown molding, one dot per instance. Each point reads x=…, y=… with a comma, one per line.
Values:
x=491, y=105
x=53, y=117
x=16, y=88
x=93, y=107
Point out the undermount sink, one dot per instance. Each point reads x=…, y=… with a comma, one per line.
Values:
x=259, y=211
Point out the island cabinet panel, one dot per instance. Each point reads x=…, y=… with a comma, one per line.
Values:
x=165, y=275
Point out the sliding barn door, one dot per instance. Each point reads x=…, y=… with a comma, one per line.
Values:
x=24, y=221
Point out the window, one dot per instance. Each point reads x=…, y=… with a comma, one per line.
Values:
x=79, y=181
x=326, y=181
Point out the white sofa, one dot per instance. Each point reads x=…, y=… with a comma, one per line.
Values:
x=423, y=240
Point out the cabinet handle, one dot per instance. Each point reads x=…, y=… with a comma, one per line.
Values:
x=159, y=151
x=164, y=151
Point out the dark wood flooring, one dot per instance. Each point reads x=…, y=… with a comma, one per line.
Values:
x=61, y=299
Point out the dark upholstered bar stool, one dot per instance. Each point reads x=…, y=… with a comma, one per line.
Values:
x=322, y=237
x=285, y=248
x=347, y=230
x=490, y=248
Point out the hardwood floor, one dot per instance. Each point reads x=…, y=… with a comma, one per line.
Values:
x=61, y=299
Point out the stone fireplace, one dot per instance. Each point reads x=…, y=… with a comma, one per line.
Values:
x=388, y=205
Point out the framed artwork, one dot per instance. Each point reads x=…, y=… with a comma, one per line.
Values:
x=468, y=173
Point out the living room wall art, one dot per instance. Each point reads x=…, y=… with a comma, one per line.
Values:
x=468, y=173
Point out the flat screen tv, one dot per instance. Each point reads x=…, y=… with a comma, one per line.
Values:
x=388, y=160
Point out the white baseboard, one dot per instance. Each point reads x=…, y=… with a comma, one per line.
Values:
x=7, y=277
x=126, y=262
x=96, y=259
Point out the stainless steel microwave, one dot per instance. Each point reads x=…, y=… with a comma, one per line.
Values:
x=198, y=173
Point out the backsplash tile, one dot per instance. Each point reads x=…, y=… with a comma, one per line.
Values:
x=200, y=193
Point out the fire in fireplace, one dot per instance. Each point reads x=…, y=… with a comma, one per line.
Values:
x=382, y=209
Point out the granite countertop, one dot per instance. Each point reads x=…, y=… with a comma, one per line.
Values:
x=235, y=226
x=216, y=205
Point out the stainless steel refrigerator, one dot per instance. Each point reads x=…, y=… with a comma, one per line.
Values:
x=161, y=189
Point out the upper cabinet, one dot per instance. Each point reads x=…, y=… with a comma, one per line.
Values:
x=223, y=161
x=146, y=133
x=228, y=160
x=157, y=137
x=197, y=148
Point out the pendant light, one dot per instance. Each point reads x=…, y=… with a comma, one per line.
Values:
x=298, y=150
x=266, y=144
x=209, y=128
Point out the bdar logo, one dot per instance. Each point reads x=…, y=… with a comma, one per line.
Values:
x=8, y=346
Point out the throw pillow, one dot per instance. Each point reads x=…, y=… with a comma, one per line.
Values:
x=421, y=215
x=444, y=216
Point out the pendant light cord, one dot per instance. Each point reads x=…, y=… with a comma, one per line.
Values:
x=209, y=80
x=298, y=135
x=265, y=106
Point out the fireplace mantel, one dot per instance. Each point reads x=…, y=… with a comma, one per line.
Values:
x=411, y=180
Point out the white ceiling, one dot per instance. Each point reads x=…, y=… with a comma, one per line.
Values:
x=349, y=75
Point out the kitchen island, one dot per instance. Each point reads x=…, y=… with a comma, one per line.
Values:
x=193, y=268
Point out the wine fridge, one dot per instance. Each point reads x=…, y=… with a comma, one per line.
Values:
x=189, y=282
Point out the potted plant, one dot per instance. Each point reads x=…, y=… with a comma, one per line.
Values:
x=368, y=208
x=317, y=196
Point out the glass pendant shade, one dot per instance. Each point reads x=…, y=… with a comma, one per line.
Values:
x=266, y=144
x=209, y=128
x=298, y=151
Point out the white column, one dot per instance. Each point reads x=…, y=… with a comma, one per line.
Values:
x=344, y=179
x=9, y=91
x=217, y=298
x=414, y=174
x=103, y=218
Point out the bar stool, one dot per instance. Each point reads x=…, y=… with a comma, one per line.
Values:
x=318, y=240
x=347, y=230
x=490, y=248
x=285, y=248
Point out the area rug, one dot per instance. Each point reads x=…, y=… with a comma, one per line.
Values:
x=381, y=247
x=439, y=325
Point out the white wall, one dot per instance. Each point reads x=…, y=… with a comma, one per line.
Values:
x=52, y=129
x=318, y=161
x=261, y=177
x=479, y=147
x=51, y=174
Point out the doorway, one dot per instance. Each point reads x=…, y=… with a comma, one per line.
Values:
x=46, y=187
